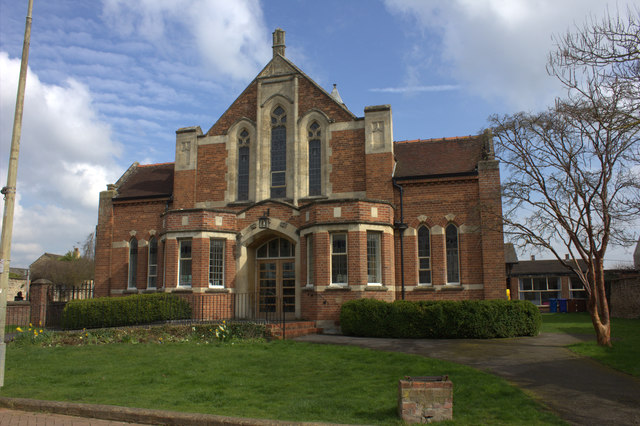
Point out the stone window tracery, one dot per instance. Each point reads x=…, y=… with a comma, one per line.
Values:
x=315, y=159
x=243, y=165
x=278, y=153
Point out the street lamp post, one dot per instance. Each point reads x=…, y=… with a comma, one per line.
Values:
x=9, y=192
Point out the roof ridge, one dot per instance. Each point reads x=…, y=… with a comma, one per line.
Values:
x=438, y=139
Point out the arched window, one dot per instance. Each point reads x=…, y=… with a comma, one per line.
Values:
x=453, y=265
x=315, y=159
x=152, y=274
x=424, y=255
x=243, y=165
x=278, y=153
x=277, y=247
x=133, y=263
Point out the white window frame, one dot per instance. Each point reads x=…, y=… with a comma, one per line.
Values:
x=345, y=254
x=219, y=282
x=538, y=300
x=376, y=238
x=580, y=288
x=180, y=259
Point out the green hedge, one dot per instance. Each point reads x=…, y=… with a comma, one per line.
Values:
x=470, y=319
x=119, y=311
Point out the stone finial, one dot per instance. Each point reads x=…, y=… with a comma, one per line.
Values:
x=278, y=42
x=336, y=95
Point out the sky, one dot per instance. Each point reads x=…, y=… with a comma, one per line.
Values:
x=110, y=81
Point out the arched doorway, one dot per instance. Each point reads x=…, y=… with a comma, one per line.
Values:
x=276, y=275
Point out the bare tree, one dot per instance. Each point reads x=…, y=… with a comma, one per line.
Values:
x=67, y=270
x=89, y=247
x=571, y=178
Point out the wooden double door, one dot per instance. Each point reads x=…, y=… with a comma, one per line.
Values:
x=277, y=287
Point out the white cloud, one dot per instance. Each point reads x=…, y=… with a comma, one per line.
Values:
x=67, y=155
x=229, y=35
x=497, y=48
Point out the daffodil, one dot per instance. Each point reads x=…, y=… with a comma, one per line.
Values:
x=19, y=329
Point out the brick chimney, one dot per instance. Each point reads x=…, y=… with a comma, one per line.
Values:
x=278, y=42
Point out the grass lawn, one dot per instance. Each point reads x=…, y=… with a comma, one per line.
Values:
x=278, y=380
x=625, y=336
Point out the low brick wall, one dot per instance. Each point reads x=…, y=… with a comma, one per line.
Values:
x=625, y=297
x=18, y=313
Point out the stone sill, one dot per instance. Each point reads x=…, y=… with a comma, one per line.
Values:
x=130, y=291
x=217, y=290
x=338, y=288
x=150, y=290
x=182, y=291
x=451, y=288
x=424, y=288
x=376, y=288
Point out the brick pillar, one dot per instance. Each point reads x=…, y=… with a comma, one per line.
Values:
x=425, y=399
x=493, y=263
x=38, y=296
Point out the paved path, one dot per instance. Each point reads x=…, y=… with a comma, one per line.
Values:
x=579, y=389
x=23, y=418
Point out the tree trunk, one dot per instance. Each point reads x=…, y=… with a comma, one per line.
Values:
x=598, y=305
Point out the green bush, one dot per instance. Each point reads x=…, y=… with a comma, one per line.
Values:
x=471, y=319
x=120, y=311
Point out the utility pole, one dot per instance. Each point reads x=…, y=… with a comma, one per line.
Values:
x=9, y=192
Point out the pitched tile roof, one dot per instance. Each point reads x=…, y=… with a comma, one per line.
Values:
x=148, y=181
x=436, y=157
x=543, y=267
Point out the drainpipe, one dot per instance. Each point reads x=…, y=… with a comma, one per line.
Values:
x=401, y=226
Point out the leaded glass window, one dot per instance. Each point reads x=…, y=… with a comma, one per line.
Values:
x=152, y=275
x=216, y=263
x=315, y=159
x=453, y=266
x=133, y=263
x=339, y=259
x=278, y=153
x=424, y=255
x=373, y=258
x=243, y=165
x=184, y=266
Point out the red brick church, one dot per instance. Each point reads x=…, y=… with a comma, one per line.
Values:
x=291, y=203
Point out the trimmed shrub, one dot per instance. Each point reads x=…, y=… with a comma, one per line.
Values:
x=471, y=319
x=120, y=311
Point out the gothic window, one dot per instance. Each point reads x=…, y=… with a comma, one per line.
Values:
x=453, y=265
x=133, y=263
x=315, y=159
x=152, y=274
x=424, y=256
x=243, y=165
x=278, y=153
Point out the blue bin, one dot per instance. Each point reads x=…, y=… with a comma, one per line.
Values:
x=553, y=305
x=562, y=305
